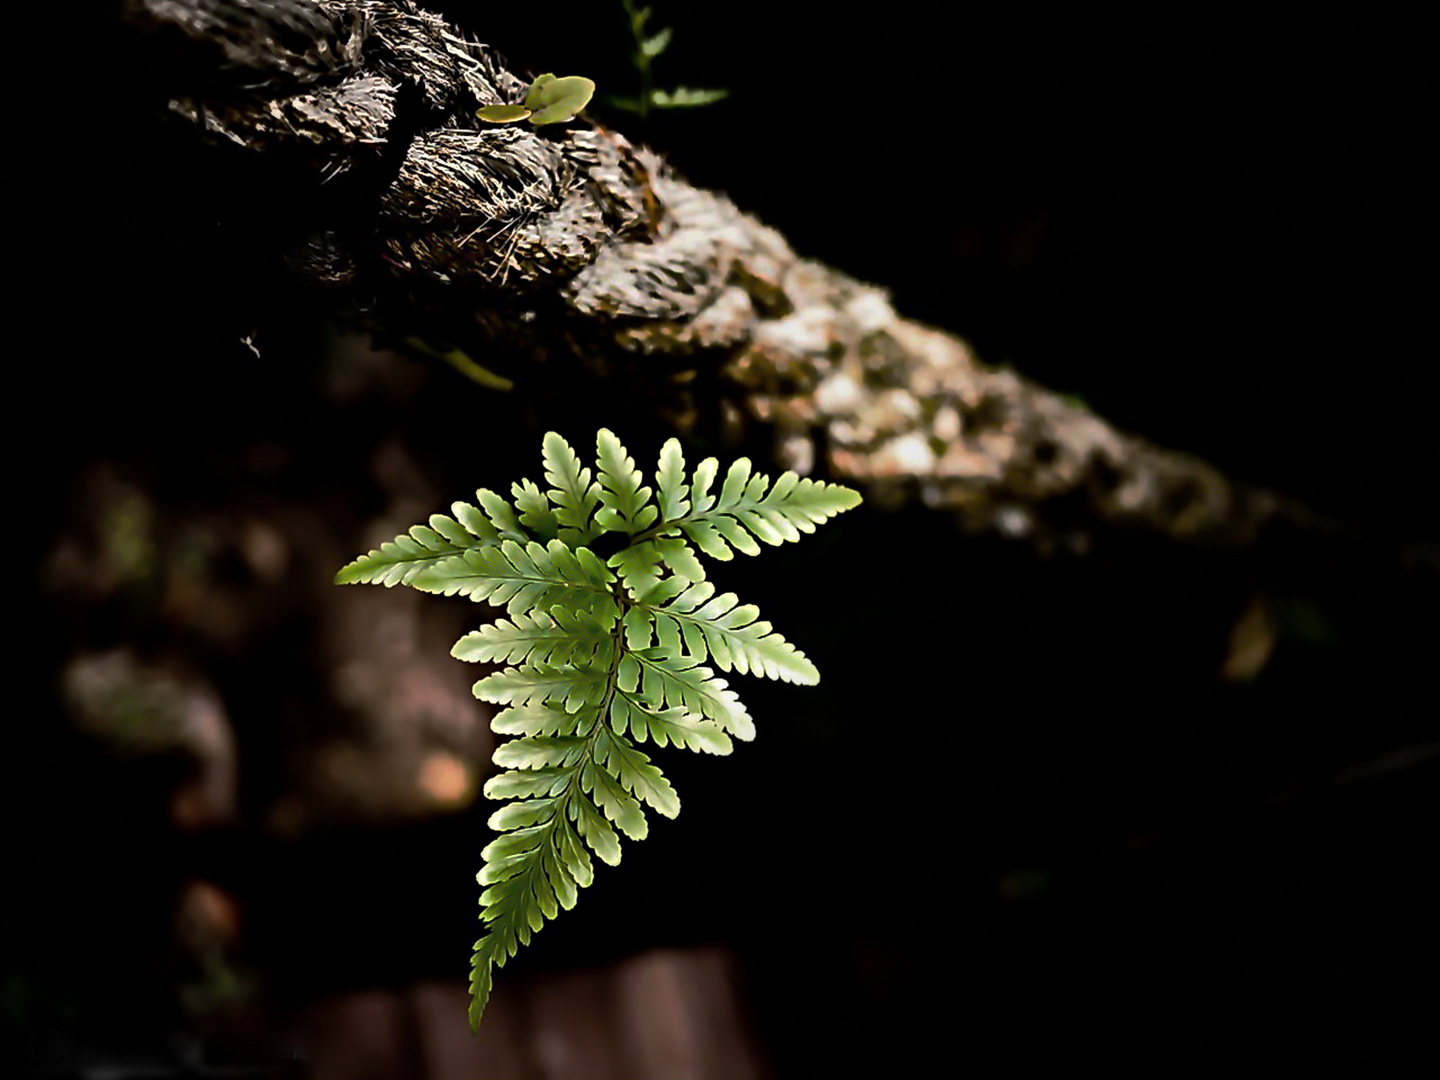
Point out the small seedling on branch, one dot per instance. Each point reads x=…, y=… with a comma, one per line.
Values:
x=613, y=638
x=548, y=101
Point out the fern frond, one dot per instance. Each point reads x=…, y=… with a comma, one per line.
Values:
x=399, y=561
x=523, y=578
x=680, y=557
x=619, y=805
x=701, y=625
x=537, y=638
x=572, y=493
x=683, y=683
x=630, y=712
x=633, y=769
x=492, y=521
x=529, y=874
x=591, y=825
x=599, y=655
x=571, y=688
x=539, y=863
x=524, y=784
x=748, y=507
x=534, y=511
x=670, y=480
x=625, y=500
x=538, y=719
x=539, y=752
x=402, y=560
x=638, y=566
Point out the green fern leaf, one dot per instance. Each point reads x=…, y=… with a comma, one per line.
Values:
x=494, y=520
x=638, y=566
x=625, y=499
x=535, y=684
x=634, y=770
x=522, y=578
x=538, y=719
x=641, y=564
x=680, y=557
x=734, y=637
x=482, y=980
x=670, y=480
x=679, y=681
x=599, y=656
x=597, y=832
x=534, y=510
x=521, y=815
x=701, y=500
x=526, y=784
x=573, y=494
x=617, y=803
x=629, y=712
x=710, y=539
x=540, y=752
x=537, y=638
x=793, y=506
x=401, y=560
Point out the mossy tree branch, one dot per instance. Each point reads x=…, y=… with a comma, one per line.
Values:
x=577, y=251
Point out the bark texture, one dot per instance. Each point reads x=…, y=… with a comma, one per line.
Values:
x=596, y=266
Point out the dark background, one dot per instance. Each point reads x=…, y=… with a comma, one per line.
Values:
x=1023, y=823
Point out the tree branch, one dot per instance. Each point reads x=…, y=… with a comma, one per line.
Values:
x=581, y=253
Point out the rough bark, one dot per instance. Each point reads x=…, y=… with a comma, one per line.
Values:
x=584, y=254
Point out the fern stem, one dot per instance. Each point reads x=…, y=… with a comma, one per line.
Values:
x=461, y=361
x=656, y=531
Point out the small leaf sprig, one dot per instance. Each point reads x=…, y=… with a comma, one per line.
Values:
x=648, y=46
x=548, y=101
x=602, y=652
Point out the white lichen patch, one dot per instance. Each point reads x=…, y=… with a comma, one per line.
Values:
x=838, y=395
x=898, y=405
x=869, y=312
x=946, y=425
x=908, y=455
x=796, y=451
x=806, y=333
x=725, y=321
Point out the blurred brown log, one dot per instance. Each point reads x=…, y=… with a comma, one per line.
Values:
x=669, y=1014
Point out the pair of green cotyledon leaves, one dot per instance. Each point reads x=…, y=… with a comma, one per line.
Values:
x=548, y=101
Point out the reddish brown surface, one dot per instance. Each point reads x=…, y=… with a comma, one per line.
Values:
x=669, y=1014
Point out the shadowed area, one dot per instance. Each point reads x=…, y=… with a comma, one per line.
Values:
x=1137, y=802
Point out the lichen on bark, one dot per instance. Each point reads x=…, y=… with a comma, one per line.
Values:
x=571, y=245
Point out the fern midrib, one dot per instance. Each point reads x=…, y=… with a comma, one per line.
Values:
x=657, y=531
x=439, y=556
x=564, y=583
